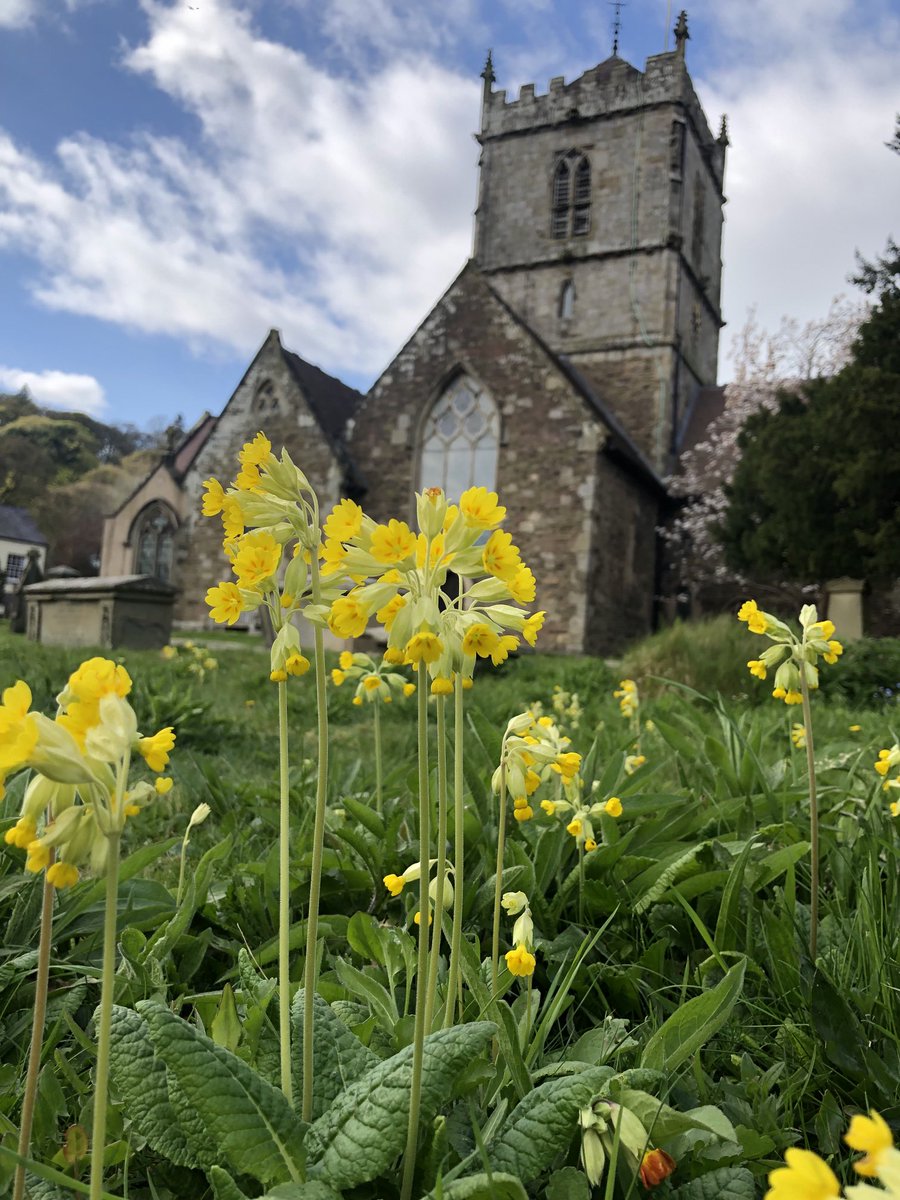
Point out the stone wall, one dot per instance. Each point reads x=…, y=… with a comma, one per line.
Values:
x=623, y=561
x=282, y=413
x=548, y=477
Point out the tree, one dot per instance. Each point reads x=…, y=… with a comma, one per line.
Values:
x=764, y=362
x=814, y=494
x=815, y=491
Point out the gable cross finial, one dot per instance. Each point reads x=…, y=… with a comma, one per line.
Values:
x=681, y=33
x=618, y=5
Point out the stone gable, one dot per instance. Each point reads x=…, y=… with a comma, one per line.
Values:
x=268, y=398
x=551, y=440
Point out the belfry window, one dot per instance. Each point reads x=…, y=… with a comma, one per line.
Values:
x=154, y=542
x=571, y=201
x=460, y=440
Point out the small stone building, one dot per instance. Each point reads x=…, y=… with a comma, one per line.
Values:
x=563, y=367
x=19, y=537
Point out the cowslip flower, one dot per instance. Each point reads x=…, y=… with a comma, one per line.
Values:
x=445, y=628
x=627, y=695
x=804, y=1177
x=790, y=656
x=873, y=1137
x=79, y=762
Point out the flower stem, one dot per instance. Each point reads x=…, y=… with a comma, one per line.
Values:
x=315, y=882
x=101, y=1080
x=415, y=1088
x=458, y=851
x=441, y=873
x=813, y=822
x=498, y=879
x=284, y=897
x=37, y=1031
x=377, y=708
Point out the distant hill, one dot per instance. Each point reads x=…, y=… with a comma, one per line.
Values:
x=69, y=470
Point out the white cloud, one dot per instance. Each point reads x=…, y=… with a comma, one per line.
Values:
x=21, y=14
x=56, y=389
x=335, y=210
x=810, y=91
x=16, y=14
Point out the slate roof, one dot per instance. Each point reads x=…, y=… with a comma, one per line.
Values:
x=18, y=525
x=332, y=401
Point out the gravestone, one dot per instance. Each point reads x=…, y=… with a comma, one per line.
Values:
x=107, y=611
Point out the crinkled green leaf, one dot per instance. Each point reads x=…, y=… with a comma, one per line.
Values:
x=496, y=1186
x=568, y=1184
x=339, y=1057
x=140, y=1079
x=365, y=1128
x=314, y=1190
x=728, y=1183
x=223, y=1186
x=249, y=1121
x=694, y=1023
x=543, y=1123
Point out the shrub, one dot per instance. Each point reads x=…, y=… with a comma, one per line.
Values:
x=710, y=656
x=868, y=673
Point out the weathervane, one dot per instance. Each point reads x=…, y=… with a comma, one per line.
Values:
x=618, y=5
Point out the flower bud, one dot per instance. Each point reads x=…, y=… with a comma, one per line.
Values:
x=431, y=508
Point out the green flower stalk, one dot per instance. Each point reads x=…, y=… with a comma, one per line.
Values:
x=270, y=505
x=39, y=1017
x=415, y=1090
x=459, y=851
x=442, y=885
x=795, y=661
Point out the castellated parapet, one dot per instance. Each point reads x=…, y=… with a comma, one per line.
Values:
x=612, y=87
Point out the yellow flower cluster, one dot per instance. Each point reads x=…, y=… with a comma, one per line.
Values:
x=789, y=655
x=521, y=960
x=808, y=1177
x=269, y=506
x=401, y=579
x=887, y=761
x=80, y=765
x=627, y=695
x=567, y=706
x=396, y=883
x=535, y=760
x=374, y=680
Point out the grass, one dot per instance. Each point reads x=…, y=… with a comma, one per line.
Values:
x=707, y=867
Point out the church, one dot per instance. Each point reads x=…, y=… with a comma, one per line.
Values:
x=566, y=367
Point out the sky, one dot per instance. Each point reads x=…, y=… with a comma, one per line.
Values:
x=179, y=176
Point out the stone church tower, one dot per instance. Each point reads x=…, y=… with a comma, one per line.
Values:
x=599, y=221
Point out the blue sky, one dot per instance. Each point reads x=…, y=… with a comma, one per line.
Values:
x=176, y=178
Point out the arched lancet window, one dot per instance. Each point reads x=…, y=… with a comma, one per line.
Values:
x=571, y=213
x=460, y=440
x=266, y=399
x=567, y=301
x=154, y=542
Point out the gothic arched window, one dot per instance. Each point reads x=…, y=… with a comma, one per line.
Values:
x=154, y=542
x=571, y=214
x=460, y=440
x=567, y=301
